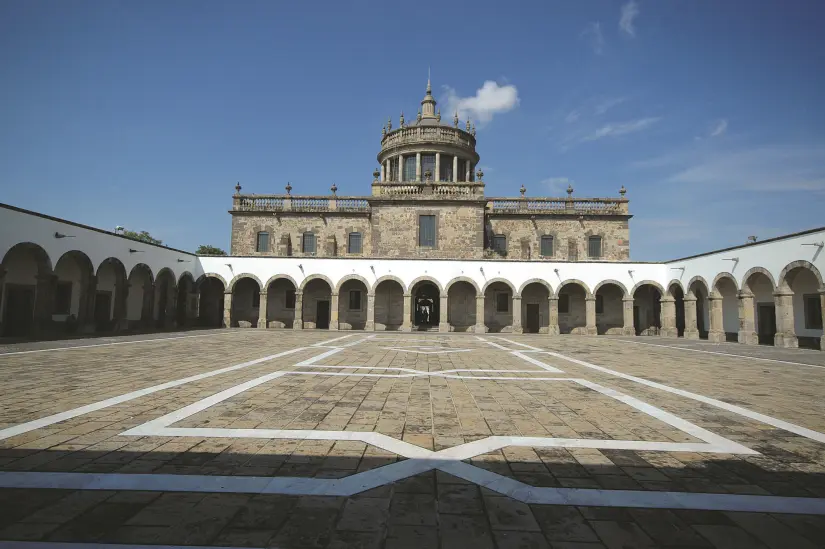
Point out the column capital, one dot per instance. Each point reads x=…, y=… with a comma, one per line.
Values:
x=590, y=298
x=667, y=299
x=229, y=292
x=782, y=293
x=742, y=294
x=628, y=299
x=690, y=297
x=262, y=292
x=553, y=298
x=333, y=294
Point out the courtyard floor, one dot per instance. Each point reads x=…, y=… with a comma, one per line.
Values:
x=264, y=438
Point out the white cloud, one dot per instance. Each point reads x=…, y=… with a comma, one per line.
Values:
x=608, y=104
x=572, y=116
x=629, y=13
x=719, y=128
x=555, y=186
x=593, y=34
x=623, y=128
x=490, y=99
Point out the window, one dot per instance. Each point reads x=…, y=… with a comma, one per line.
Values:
x=813, y=312
x=426, y=230
x=500, y=244
x=354, y=243
x=393, y=175
x=462, y=169
x=428, y=163
x=547, y=245
x=63, y=298
x=289, y=299
x=309, y=243
x=446, y=168
x=263, y=242
x=355, y=300
x=409, y=168
x=564, y=303
x=594, y=247
x=502, y=302
x=599, y=304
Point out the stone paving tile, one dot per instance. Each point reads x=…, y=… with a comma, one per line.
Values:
x=433, y=412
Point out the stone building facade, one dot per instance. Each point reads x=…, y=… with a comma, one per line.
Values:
x=428, y=202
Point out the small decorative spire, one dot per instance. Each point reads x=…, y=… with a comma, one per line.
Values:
x=288, y=188
x=402, y=119
x=569, y=190
x=334, y=189
x=455, y=120
x=522, y=190
x=438, y=116
x=474, y=130
x=418, y=117
x=383, y=131
x=622, y=191
x=479, y=175
x=467, y=126
x=389, y=124
x=238, y=188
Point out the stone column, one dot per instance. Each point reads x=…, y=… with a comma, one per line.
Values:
x=298, y=321
x=590, y=315
x=381, y=175
x=400, y=167
x=262, y=310
x=747, y=327
x=785, y=336
x=455, y=169
x=553, y=321
x=716, y=333
x=517, y=328
x=147, y=311
x=691, y=331
x=44, y=303
x=227, y=309
x=333, y=313
x=437, y=174
x=668, y=316
x=629, y=329
x=406, y=322
x=370, y=326
x=418, y=167
x=468, y=166
x=443, y=324
x=480, y=327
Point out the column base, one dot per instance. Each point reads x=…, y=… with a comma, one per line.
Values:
x=333, y=325
x=518, y=329
x=591, y=330
x=443, y=327
x=747, y=338
x=480, y=329
x=691, y=334
x=406, y=328
x=788, y=341
x=553, y=330
x=717, y=337
x=669, y=332
x=369, y=326
x=628, y=331
x=261, y=323
x=297, y=324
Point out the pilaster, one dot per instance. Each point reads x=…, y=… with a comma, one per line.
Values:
x=747, y=327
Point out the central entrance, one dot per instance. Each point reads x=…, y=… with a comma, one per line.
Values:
x=425, y=311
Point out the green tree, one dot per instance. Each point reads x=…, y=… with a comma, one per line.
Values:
x=143, y=236
x=206, y=249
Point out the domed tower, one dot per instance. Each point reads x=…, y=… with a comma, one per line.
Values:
x=428, y=155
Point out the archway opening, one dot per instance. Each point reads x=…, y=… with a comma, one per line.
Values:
x=280, y=304
x=609, y=309
x=726, y=288
x=210, y=304
x=316, y=305
x=352, y=305
x=389, y=306
x=110, y=297
x=679, y=304
x=165, y=300
x=140, y=300
x=702, y=308
x=26, y=290
x=498, y=307
x=246, y=301
x=647, y=310
x=425, y=306
x=807, y=307
x=73, y=296
x=461, y=303
x=764, y=307
x=572, y=309
x=535, y=308
x=187, y=303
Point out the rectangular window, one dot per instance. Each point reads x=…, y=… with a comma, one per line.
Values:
x=426, y=231
x=409, y=168
x=393, y=175
x=289, y=299
x=594, y=247
x=355, y=300
x=500, y=244
x=564, y=303
x=263, y=242
x=547, y=246
x=428, y=164
x=354, y=243
x=63, y=298
x=446, y=168
x=309, y=243
x=599, y=304
x=813, y=312
x=502, y=302
x=462, y=169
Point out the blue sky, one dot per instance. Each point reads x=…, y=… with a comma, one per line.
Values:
x=145, y=114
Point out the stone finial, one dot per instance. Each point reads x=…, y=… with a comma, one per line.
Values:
x=522, y=190
x=438, y=115
x=473, y=130
x=428, y=175
x=288, y=188
x=383, y=131
x=479, y=175
x=402, y=119
x=238, y=188
x=376, y=174
x=418, y=116
x=455, y=120
x=389, y=124
x=334, y=189
x=622, y=191
x=569, y=191
x=467, y=126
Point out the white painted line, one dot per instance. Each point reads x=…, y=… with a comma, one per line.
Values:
x=62, y=416
x=109, y=344
x=72, y=545
x=530, y=347
x=327, y=342
x=537, y=362
x=682, y=348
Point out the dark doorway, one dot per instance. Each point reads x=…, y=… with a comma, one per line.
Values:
x=767, y=323
x=19, y=310
x=322, y=315
x=531, y=322
x=426, y=307
x=103, y=304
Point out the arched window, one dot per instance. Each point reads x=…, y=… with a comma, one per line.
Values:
x=354, y=243
x=309, y=243
x=547, y=245
x=594, y=247
x=262, y=244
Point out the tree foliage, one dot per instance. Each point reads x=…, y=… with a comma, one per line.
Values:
x=206, y=249
x=143, y=236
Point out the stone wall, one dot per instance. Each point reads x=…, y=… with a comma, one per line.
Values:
x=570, y=236
x=331, y=234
